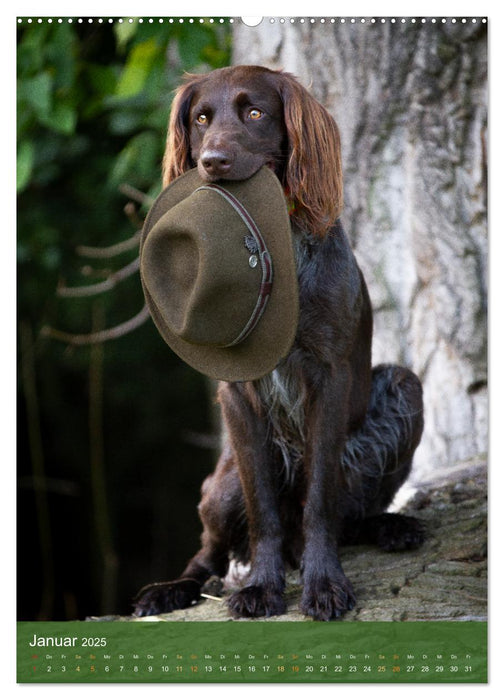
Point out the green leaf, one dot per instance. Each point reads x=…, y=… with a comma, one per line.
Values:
x=36, y=92
x=61, y=58
x=125, y=121
x=191, y=42
x=137, y=68
x=124, y=31
x=137, y=161
x=25, y=159
x=63, y=118
x=102, y=79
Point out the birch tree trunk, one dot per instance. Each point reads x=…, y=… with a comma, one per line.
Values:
x=410, y=100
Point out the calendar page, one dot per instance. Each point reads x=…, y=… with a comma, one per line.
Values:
x=273, y=470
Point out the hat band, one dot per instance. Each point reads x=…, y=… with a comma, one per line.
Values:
x=263, y=256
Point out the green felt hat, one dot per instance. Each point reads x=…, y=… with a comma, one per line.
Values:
x=219, y=276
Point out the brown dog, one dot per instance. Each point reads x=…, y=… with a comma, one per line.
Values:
x=317, y=449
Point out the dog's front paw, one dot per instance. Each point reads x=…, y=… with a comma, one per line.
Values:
x=256, y=601
x=327, y=598
x=159, y=598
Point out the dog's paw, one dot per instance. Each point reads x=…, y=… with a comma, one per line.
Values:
x=396, y=532
x=327, y=598
x=159, y=598
x=256, y=601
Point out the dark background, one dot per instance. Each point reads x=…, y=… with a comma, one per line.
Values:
x=114, y=439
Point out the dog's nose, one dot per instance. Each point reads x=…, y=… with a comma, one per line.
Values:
x=216, y=163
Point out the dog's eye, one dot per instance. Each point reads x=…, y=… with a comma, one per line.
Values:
x=255, y=113
x=202, y=119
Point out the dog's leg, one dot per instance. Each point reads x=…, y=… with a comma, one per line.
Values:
x=378, y=460
x=224, y=529
x=327, y=593
x=248, y=433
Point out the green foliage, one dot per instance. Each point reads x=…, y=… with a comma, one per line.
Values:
x=71, y=77
x=92, y=108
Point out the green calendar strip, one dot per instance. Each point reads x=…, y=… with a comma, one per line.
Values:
x=255, y=651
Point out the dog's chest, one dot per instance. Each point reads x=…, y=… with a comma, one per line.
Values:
x=283, y=398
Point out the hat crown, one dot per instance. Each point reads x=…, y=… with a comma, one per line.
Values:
x=200, y=270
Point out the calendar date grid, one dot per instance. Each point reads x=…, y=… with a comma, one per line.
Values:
x=230, y=663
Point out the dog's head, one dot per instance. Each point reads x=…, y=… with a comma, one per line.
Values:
x=232, y=121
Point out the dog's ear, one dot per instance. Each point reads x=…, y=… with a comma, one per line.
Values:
x=313, y=176
x=177, y=155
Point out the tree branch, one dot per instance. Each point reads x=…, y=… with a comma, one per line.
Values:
x=91, y=289
x=100, y=336
x=110, y=251
x=136, y=195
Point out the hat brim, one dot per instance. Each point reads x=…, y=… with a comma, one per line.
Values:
x=271, y=340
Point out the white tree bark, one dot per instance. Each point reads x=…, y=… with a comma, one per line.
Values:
x=410, y=100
